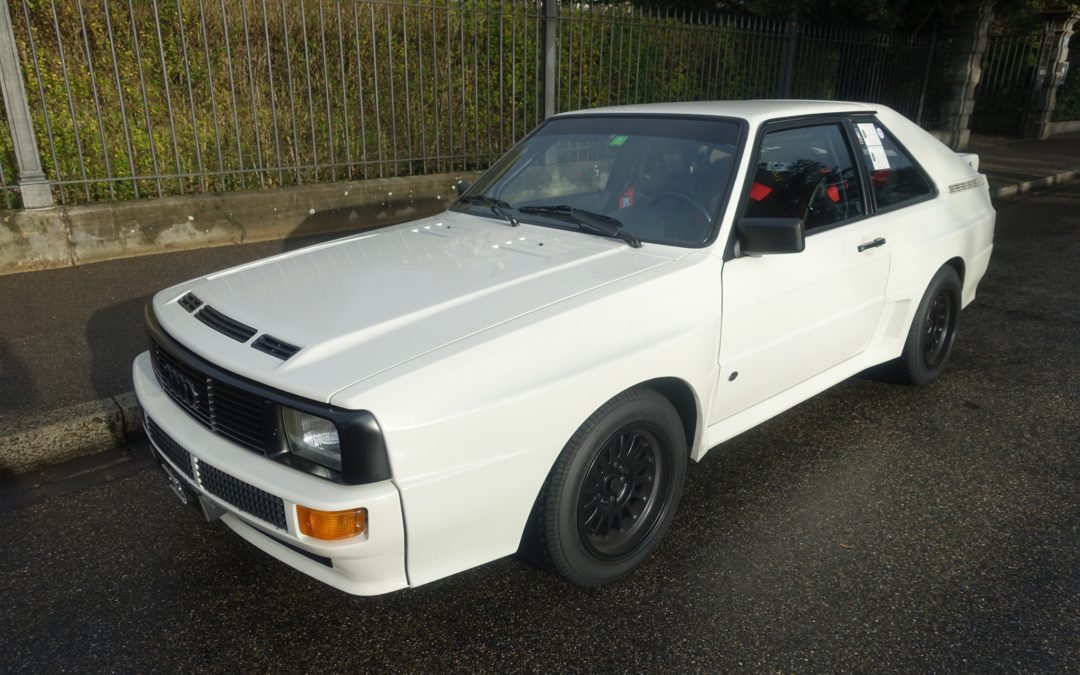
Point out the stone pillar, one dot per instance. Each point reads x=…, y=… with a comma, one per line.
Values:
x=33, y=185
x=963, y=52
x=1052, y=67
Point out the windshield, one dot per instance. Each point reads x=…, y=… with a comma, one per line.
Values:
x=660, y=178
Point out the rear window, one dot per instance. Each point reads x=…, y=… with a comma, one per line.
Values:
x=895, y=178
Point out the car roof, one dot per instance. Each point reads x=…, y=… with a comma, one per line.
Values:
x=755, y=112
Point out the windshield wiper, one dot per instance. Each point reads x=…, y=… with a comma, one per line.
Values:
x=597, y=223
x=497, y=206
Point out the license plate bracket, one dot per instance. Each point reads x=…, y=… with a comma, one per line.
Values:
x=177, y=486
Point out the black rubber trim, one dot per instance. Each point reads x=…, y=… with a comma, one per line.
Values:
x=275, y=347
x=190, y=302
x=225, y=325
x=363, y=451
x=322, y=560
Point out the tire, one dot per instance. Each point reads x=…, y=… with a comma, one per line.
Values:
x=933, y=331
x=612, y=492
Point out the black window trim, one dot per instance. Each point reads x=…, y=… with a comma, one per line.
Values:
x=855, y=118
x=740, y=148
x=798, y=122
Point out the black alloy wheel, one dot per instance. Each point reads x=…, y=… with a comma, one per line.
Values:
x=612, y=492
x=932, y=334
x=939, y=329
x=619, y=491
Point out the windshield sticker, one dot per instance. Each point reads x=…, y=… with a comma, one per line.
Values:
x=617, y=141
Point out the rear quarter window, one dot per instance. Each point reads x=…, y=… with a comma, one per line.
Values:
x=895, y=178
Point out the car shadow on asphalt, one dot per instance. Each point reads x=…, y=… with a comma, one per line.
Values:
x=18, y=390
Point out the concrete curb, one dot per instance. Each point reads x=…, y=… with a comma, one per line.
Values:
x=115, y=421
x=63, y=236
x=60, y=435
x=1017, y=189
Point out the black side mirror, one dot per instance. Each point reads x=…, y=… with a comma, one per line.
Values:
x=462, y=187
x=759, y=236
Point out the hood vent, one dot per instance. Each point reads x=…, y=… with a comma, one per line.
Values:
x=190, y=302
x=275, y=347
x=224, y=325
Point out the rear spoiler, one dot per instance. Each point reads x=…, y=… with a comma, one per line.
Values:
x=971, y=158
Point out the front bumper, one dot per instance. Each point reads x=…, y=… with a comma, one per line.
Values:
x=369, y=564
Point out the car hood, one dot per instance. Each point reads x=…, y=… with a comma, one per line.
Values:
x=361, y=305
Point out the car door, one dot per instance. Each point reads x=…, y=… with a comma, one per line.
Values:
x=789, y=317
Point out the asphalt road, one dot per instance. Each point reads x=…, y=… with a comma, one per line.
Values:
x=876, y=527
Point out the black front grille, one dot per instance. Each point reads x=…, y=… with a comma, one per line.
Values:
x=247, y=498
x=170, y=448
x=221, y=408
x=243, y=496
x=275, y=347
x=225, y=325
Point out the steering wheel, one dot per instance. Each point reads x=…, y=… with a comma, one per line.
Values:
x=688, y=200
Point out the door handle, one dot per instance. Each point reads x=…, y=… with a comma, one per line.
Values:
x=880, y=241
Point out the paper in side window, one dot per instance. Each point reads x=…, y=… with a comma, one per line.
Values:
x=870, y=134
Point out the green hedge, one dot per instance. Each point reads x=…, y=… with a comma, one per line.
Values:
x=175, y=96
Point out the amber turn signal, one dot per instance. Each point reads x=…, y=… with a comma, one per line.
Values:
x=331, y=525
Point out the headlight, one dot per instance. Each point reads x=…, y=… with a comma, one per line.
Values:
x=312, y=438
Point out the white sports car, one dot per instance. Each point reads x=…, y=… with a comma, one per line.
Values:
x=532, y=370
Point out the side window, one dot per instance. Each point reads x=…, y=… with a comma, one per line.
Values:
x=806, y=173
x=894, y=176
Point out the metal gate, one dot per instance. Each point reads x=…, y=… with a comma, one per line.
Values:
x=1010, y=77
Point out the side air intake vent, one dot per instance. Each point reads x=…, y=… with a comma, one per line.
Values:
x=190, y=302
x=224, y=325
x=275, y=347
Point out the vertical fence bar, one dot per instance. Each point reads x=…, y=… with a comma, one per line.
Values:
x=787, y=58
x=344, y=94
x=260, y=162
x=33, y=185
x=926, y=76
x=191, y=98
x=70, y=99
x=120, y=95
x=292, y=91
x=241, y=177
x=551, y=18
x=314, y=163
x=213, y=97
x=273, y=93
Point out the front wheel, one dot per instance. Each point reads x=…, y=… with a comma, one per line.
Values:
x=612, y=492
x=933, y=331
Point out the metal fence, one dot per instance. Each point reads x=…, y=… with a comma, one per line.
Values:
x=143, y=98
x=1010, y=75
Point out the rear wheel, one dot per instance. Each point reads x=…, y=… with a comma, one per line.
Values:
x=612, y=492
x=933, y=331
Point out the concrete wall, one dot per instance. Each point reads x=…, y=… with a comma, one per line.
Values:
x=63, y=236
x=1065, y=127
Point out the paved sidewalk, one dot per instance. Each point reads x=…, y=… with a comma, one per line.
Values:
x=69, y=335
x=1019, y=166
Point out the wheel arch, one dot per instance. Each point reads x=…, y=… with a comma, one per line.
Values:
x=682, y=397
x=957, y=264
